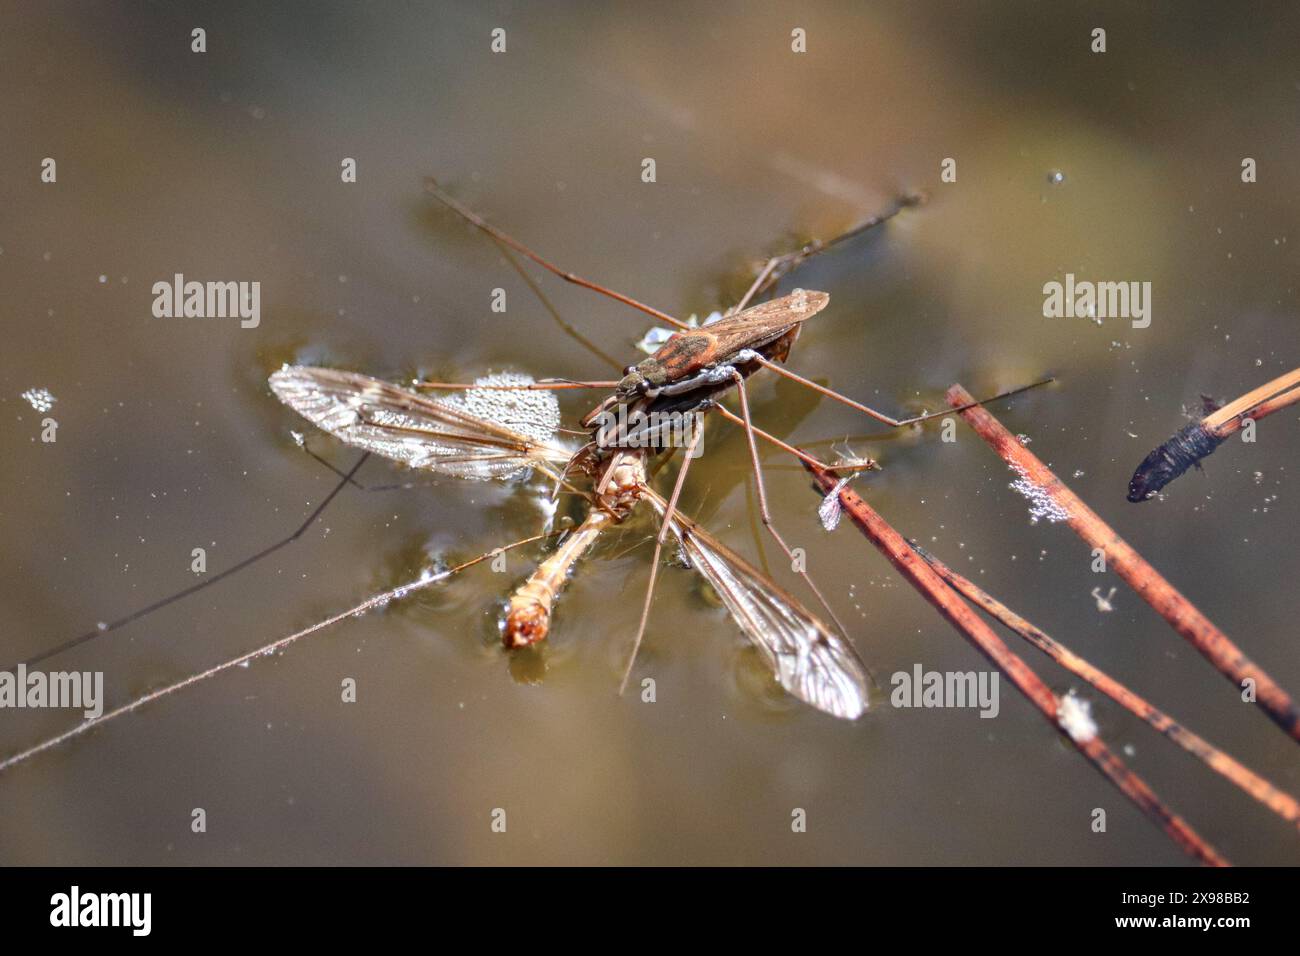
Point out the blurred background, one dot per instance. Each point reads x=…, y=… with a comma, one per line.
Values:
x=225, y=165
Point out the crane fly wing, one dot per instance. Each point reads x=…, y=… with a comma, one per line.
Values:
x=807, y=658
x=489, y=433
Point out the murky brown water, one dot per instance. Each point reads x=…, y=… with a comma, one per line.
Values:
x=226, y=166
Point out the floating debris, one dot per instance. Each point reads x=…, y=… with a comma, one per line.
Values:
x=40, y=399
x=1103, y=603
x=1074, y=715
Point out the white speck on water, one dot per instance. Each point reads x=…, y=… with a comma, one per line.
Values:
x=41, y=399
x=103, y=279
x=298, y=438
x=1056, y=177
x=1103, y=603
x=1074, y=715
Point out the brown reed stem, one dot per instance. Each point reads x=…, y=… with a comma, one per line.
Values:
x=1225, y=429
x=958, y=613
x=1168, y=602
x=1255, y=404
x=1280, y=802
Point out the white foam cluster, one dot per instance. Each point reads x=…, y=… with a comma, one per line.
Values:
x=1041, y=504
x=534, y=413
x=40, y=399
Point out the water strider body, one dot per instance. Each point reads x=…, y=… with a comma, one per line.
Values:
x=696, y=364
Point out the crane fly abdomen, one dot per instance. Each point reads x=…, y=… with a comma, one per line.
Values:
x=526, y=624
x=528, y=619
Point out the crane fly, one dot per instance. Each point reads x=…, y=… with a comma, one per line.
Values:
x=508, y=437
x=505, y=427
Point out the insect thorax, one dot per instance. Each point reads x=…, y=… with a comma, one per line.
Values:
x=646, y=373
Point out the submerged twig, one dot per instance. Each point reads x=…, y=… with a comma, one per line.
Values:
x=1191, y=443
x=1280, y=802
x=1053, y=708
x=1169, y=603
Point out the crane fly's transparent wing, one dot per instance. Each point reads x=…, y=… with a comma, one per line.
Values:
x=807, y=658
x=488, y=433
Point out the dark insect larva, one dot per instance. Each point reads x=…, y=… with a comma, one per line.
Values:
x=1186, y=448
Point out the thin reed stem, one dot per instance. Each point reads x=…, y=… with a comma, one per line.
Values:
x=1280, y=802
x=1151, y=586
x=982, y=637
x=958, y=613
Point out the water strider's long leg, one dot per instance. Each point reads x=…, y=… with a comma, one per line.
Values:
x=664, y=524
x=778, y=266
x=759, y=282
x=476, y=220
x=277, y=645
x=855, y=464
x=881, y=416
x=544, y=385
x=554, y=313
x=775, y=268
x=346, y=479
x=763, y=513
x=768, y=275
